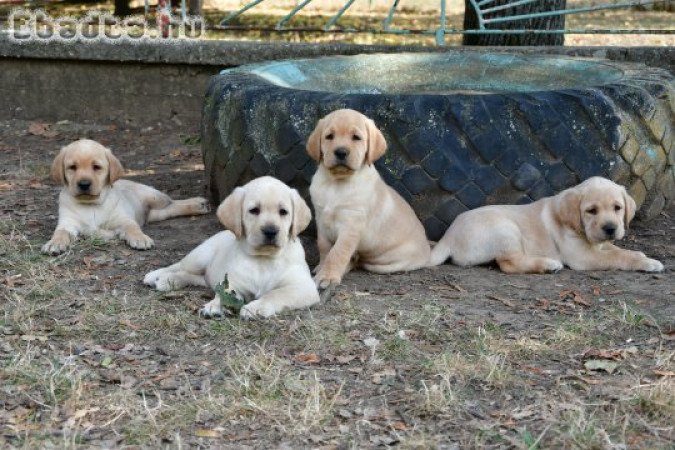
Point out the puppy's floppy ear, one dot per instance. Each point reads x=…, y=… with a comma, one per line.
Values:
x=376, y=142
x=115, y=169
x=229, y=212
x=314, y=141
x=629, y=208
x=568, y=210
x=58, y=174
x=302, y=215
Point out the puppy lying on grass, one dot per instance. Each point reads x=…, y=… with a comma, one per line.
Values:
x=574, y=228
x=94, y=201
x=260, y=253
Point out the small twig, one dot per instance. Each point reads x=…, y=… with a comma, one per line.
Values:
x=502, y=300
x=327, y=293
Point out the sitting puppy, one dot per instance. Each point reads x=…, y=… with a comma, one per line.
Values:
x=94, y=201
x=260, y=254
x=360, y=219
x=574, y=228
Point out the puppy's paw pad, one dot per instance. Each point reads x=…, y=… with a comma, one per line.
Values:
x=256, y=310
x=652, y=265
x=141, y=243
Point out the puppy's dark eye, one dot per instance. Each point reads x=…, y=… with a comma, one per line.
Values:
x=97, y=167
x=356, y=137
x=255, y=211
x=72, y=167
x=283, y=212
x=592, y=211
x=329, y=137
x=617, y=207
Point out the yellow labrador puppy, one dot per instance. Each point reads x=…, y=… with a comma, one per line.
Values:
x=360, y=219
x=261, y=254
x=94, y=201
x=574, y=228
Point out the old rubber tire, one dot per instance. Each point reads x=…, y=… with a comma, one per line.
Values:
x=453, y=150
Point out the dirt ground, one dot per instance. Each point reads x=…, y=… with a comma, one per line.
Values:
x=445, y=358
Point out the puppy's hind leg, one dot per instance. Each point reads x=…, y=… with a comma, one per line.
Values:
x=522, y=263
x=177, y=208
x=191, y=270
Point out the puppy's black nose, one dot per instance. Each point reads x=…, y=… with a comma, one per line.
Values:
x=341, y=153
x=84, y=185
x=609, y=229
x=270, y=232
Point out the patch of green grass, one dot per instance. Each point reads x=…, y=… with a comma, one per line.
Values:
x=631, y=315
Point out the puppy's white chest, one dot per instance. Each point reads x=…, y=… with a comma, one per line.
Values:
x=251, y=280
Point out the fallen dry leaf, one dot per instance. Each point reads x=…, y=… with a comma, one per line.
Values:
x=603, y=354
x=307, y=358
x=575, y=296
x=41, y=129
x=502, y=300
x=601, y=364
x=345, y=359
x=379, y=376
x=668, y=335
x=399, y=426
x=207, y=433
x=664, y=373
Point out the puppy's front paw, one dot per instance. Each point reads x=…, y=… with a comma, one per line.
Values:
x=200, y=205
x=323, y=279
x=212, y=309
x=55, y=246
x=159, y=279
x=553, y=266
x=257, y=309
x=140, y=242
x=651, y=265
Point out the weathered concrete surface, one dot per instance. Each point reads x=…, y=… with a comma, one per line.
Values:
x=235, y=53
x=155, y=80
x=55, y=90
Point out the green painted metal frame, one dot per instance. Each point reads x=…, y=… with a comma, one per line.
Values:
x=481, y=8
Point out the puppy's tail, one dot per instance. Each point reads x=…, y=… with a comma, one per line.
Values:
x=440, y=253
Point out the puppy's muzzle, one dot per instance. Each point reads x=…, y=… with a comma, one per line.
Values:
x=341, y=154
x=84, y=185
x=609, y=229
x=270, y=233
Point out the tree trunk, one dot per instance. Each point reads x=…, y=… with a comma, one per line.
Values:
x=122, y=8
x=543, y=23
x=194, y=7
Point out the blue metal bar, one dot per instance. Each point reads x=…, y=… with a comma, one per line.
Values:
x=440, y=33
x=183, y=11
x=290, y=15
x=240, y=11
x=485, y=2
x=390, y=16
x=453, y=31
x=507, y=6
x=569, y=11
x=481, y=22
x=146, y=7
x=331, y=23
